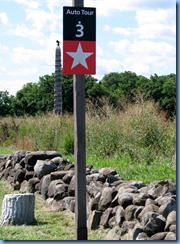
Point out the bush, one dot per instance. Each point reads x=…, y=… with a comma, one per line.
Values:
x=138, y=133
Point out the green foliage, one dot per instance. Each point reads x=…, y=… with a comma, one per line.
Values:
x=6, y=102
x=35, y=98
x=163, y=90
x=139, y=132
x=138, y=135
x=8, y=131
x=68, y=144
x=38, y=98
x=120, y=85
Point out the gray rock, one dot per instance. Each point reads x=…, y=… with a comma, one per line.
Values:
x=61, y=191
x=67, y=202
x=49, y=202
x=94, y=219
x=17, y=156
x=146, y=209
x=44, y=167
x=152, y=223
x=136, y=230
x=126, y=226
x=140, y=199
x=172, y=228
x=25, y=187
x=105, y=199
x=46, y=180
x=129, y=212
x=125, y=199
x=119, y=215
x=67, y=178
x=71, y=188
x=171, y=220
x=112, y=222
x=57, y=206
x=150, y=201
x=107, y=214
x=171, y=236
x=94, y=202
x=58, y=174
x=158, y=236
x=94, y=187
x=114, y=233
x=105, y=171
x=52, y=189
x=142, y=236
x=32, y=157
x=166, y=208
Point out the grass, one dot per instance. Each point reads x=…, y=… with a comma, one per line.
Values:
x=50, y=225
x=161, y=170
x=6, y=150
x=138, y=143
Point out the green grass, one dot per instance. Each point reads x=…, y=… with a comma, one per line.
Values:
x=50, y=225
x=138, y=143
x=6, y=150
x=160, y=170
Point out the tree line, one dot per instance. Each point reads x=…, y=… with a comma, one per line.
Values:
x=38, y=98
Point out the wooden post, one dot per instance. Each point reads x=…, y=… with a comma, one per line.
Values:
x=80, y=152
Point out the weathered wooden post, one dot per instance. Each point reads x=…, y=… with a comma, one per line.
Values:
x=79, y=59
x=80, y=151
x=58, y=82
x=18, y=209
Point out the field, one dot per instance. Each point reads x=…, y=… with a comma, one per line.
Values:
x=49, y=225
x=139, y=142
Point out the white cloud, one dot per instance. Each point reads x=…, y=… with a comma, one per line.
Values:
x=106, y=28
x=2, y=69
x=43, y=57
x=23, y=72
x=107, y=8
x=4, y=18
x=29, y=3
x=31, y=33
x=57, y=4
x=3, y=47
x=151, y=24
x=42, y=19
x=156, y=23
x=142, y=56
x=143, y=47
x=107, y=65
x=123, y=31
x=12, y=85
x=21, y=55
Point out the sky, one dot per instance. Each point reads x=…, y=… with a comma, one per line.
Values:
x=131, y=35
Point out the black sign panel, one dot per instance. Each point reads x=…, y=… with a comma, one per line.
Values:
x=79, y=23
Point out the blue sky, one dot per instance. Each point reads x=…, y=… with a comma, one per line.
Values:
x=132, y=35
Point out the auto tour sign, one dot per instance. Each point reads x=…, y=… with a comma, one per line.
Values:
x=79, y=40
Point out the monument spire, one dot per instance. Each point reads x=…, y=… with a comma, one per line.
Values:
x=58, y=81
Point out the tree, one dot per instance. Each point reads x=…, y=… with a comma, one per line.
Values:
x=120, y=85
x=6, y=102
x=26, y=101
x=163, y=90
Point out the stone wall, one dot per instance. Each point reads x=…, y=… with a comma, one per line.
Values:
x=132, y=210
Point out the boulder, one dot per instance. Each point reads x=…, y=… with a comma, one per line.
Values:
x=44, y=167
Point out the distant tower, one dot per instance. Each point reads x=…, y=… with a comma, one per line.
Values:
x=58, y=82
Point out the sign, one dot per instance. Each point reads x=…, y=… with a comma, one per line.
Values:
x=79, y=40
